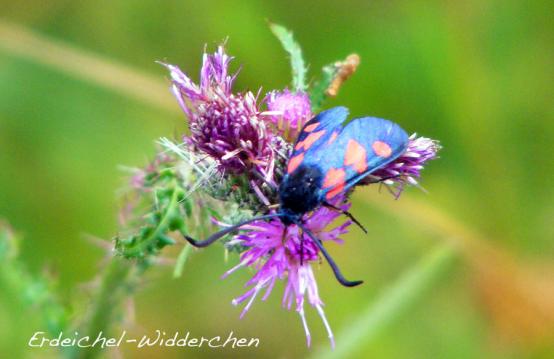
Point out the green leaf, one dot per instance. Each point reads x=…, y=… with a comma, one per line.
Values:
x=334, y=75
x=164, y=240
x=318, y=91
x=296, y=61
x=394, y=302
x=176, y=222
x=187, y=204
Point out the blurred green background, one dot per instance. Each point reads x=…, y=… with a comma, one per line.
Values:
x=477, y=75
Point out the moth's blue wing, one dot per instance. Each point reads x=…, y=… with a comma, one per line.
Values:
x=315, y=133
x=347, y=154
x=369, y=143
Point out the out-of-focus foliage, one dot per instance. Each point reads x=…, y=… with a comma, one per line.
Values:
x=475, y=75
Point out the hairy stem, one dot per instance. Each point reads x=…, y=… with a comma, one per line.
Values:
x=118, y=282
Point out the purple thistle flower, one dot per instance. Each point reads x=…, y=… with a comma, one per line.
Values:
x=276, y=254
x=407, y=168
x=226, y=126
x=288, y=111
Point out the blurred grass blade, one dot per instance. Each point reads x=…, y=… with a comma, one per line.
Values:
x=181, y=260
x=19, y=41
x=295, y=52
x=394, y=302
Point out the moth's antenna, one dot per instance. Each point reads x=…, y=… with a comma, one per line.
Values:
x=214, y=237
x=330, y=260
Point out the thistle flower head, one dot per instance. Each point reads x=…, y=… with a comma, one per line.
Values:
x=288, y=110
x=229, y=130
x=226, y=126
x=406, y=169
x=278, y=252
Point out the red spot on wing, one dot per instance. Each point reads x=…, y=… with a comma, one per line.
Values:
x=294, y=162
x=311, y=139
x=311, y=127
x=332, y=138
x=332, y=193
x=381, y=149
x=334, y=177
x=355, y=156
x=299, y=145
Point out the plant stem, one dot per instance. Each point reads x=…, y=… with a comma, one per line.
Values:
x=142, y=246
x=117, y=283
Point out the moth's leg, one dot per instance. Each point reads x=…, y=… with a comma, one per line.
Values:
x=346, y=213
x=301, y=248
x=380, y=179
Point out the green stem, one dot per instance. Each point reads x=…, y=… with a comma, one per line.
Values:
x=143, y=245
x=117, y=283
x=23, y=290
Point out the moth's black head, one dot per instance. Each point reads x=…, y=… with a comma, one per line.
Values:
x=299, y=192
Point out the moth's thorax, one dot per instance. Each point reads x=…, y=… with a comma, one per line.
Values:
x=299, y=192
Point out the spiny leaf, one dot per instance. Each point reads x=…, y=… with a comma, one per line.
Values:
x=332, y=78
x=296, y=61
x=317, y=93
